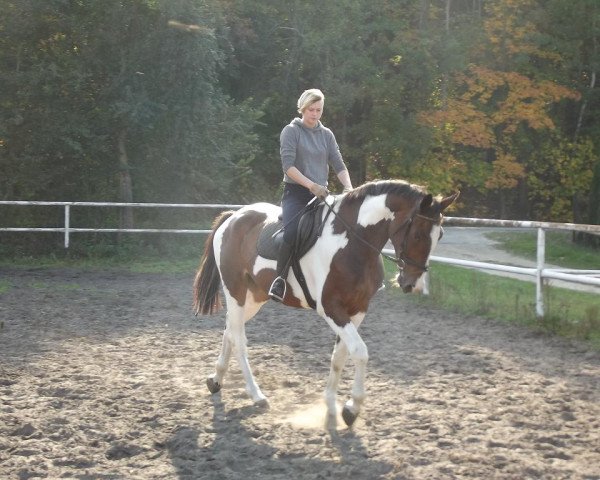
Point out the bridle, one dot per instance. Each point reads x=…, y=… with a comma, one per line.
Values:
x=402, y=259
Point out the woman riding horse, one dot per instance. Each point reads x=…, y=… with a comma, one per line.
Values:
x=342, y=271
x=307, y=149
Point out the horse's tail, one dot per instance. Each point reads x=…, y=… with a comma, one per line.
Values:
x=207, y=295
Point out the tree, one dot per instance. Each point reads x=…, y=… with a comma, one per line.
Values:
x=119, y=100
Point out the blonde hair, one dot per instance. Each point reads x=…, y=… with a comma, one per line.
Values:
x=309, y=97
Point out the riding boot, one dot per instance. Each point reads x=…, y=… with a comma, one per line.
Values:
x=278, y=287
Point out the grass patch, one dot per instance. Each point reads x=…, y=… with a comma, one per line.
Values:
x=5, y=286
x=65, y=287
x=136, y=265
x=560, y=250
x=181, y=255
x=569, y=313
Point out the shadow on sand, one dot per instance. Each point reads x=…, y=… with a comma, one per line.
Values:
x=234, y=451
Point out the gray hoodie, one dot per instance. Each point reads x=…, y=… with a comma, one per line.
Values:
x=310, y=150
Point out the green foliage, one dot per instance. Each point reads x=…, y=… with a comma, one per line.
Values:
x=184, y=100
x=95, y=72
x=558, y=172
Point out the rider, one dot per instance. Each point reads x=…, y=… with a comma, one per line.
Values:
x=307, y=150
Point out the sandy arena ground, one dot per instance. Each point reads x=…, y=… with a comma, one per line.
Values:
x=102, y=376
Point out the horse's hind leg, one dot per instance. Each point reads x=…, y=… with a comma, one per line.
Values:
x=215, y=381
x=242, y=352
x=235, y=337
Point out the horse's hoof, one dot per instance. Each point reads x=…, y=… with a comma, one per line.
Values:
x=263, y=404
x=348, y=416
x=213, y=386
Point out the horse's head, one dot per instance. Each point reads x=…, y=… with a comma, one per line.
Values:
x=416, y=237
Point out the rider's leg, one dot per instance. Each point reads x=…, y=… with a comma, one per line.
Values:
x=294, y=199
x=278, y=287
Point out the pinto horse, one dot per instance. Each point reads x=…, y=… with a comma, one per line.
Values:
x=343, y=270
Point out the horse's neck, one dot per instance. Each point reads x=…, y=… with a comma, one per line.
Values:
x=374, y=216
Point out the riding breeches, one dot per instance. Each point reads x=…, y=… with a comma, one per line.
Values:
x=294, y=199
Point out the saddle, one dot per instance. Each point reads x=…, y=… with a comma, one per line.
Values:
x=310, y=228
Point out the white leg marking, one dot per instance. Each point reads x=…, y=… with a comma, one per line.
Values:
x=350, y=344
x=236, y=317
x=224, y=358
x=338, y=361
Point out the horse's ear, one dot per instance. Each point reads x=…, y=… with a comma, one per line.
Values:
x=446, y=202
x=426, y=202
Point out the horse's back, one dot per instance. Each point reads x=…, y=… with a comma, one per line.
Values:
x=268, y=209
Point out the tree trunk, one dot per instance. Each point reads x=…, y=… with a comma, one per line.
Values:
x=523, y=200
x=584, y=106
x=593, y=214
x=445, y=79
x=125, y=188
x=502, y=204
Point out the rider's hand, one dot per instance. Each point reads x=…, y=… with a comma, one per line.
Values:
x=319, y=191
x=347, y=189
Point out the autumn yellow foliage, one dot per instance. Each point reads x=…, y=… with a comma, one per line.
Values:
x=486, y=111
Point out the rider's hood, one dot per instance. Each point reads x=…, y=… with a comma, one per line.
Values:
x=298, y=122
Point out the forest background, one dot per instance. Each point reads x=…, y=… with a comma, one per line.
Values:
x=182, y=101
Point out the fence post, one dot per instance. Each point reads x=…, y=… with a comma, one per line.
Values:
x=539, y=282
x=67, y=224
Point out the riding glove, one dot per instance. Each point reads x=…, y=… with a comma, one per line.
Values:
x=319, y=191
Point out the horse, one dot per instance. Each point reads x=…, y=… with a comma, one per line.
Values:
x=343, y=270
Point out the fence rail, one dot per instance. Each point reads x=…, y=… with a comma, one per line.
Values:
x=587, y=277
x=67, y=229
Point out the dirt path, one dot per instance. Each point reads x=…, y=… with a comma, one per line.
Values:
x=102, y=376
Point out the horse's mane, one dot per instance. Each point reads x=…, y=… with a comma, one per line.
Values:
x=383, y=187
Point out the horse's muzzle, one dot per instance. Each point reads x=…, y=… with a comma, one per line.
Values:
x=404, y=284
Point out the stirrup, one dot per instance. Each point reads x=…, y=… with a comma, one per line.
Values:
x=275, y=292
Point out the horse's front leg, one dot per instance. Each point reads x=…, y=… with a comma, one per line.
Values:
x=338, y=361
x=349, y=343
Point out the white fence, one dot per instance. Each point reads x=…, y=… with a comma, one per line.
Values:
x=540, y=272
x=67, y=229
x=587, y=277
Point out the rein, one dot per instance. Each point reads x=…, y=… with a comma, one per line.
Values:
x=402, y=260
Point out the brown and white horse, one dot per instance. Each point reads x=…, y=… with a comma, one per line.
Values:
x=343, y=270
